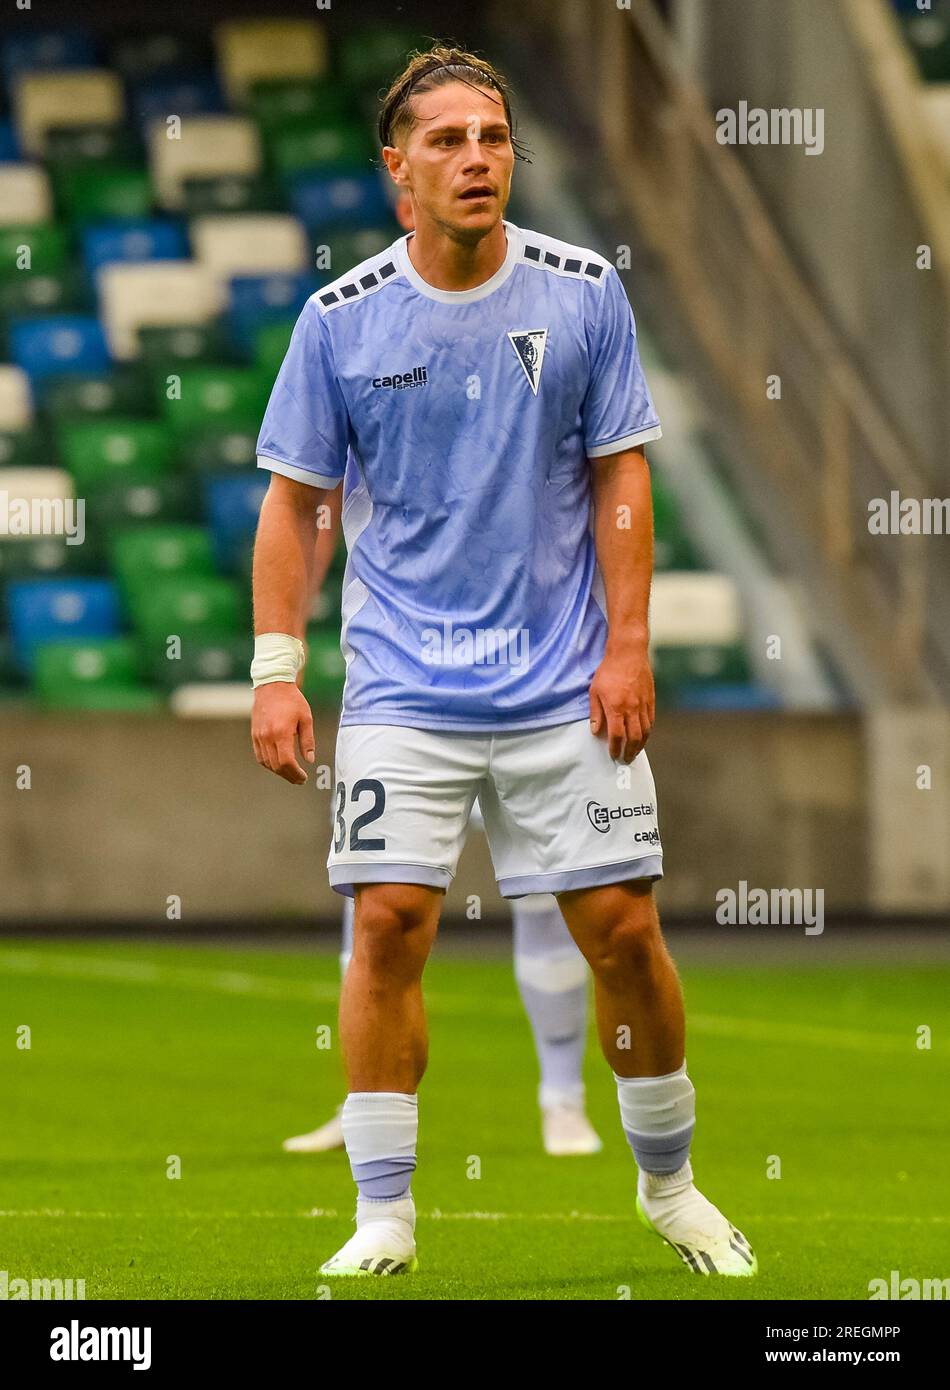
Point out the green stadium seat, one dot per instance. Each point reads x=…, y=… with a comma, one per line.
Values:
x=700, y=665
x=61, y=667
x=124, y=391
x=325, y=671
x=294, y=150
x=143, y=555
x=89, y=193
x=33, y=292
x=108, y=698
x=171, y=498
x=221, y=397
x=220, y=451
x=69, y=146
x=37, y=557
x=99, y=453
x=369, y=57
x=229, y=193
x=196, y=606
x=276, y=105
x=672, y=547
x=47, y=250
x=271, y=341
x=326, y=614
x=29, y=448
x=173, y=344
x=228, y=659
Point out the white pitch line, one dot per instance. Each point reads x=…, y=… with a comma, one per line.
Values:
x=762, y=1219
x=282, y=990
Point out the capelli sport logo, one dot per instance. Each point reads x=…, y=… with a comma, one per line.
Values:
x=402, y=381
x=602, y=817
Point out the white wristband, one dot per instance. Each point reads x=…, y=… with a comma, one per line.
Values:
x=277, y=657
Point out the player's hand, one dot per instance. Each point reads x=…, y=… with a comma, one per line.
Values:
x=622, y=701
x=281, y=721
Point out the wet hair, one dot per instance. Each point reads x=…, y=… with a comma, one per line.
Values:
x=437, y=67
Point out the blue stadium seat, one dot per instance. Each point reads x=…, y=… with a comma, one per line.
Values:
x=9, y=145
x=156, y=239
x=64, y=343
x=232, y=506
x=259, y=299
x=186, y=95
x=51, y=610
x=339, y=200
x=51, y=48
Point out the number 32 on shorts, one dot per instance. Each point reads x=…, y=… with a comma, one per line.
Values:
x=375, y=788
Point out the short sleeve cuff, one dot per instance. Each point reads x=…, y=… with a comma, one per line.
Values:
x=299, y=475
x=626, y=441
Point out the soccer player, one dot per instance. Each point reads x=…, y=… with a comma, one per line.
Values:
x=549, y=969
x=495, y=604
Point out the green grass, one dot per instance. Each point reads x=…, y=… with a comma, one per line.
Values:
x=140, y=1052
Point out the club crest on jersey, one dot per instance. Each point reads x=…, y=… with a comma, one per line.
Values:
x=529, y=343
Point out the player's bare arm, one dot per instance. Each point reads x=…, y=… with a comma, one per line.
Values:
x=622, y=704
x=284, y=564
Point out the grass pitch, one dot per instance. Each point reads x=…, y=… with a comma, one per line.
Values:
x=141, y=1054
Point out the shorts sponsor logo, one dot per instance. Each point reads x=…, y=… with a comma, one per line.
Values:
x=602, y=817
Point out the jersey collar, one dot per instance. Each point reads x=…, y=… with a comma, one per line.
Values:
x=512, y=257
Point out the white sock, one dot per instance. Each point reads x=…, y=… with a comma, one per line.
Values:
x=380, y=1130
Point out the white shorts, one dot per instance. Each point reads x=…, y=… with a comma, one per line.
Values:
x=559, y=812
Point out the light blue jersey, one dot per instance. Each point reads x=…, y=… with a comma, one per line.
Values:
x=463, y=422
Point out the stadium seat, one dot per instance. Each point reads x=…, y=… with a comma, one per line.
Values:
x=276, y=105
x=39, y=557
x=202, y=661
x=60, y=48
x=672, y=547
x=233, y=506
x=170, y=498
x=31, y=250
x=16, y=403
x=694, y=609
x=154, y=293
x=260, y=299
x=91, y=192
x=229, y=193
x=220, y=450
x=342, y=248
x=340, y=200
x=192, y=608
x=144, y=554
x=72, y=97
x=24, y=448
x=9, y=144
x=306, y=147
x=216, y=397
x=62, y=343
x=34, y=293
x=325, y=671
x=371, y=56
x=61, y=667
x=119, y=391
x=165, y=345
x=209, y=146
x=47, y=610
x=51, y=485
x=157, y=239
x=67, y=146
x=257, y=50
x=250, y=244
x=182, y=94
x=270, y=343
x=141, y=57
x=99, y=453
x=928, y=35
x=25, y=195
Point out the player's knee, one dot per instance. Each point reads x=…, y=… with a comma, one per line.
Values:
x=393, y=933
x=628, y=942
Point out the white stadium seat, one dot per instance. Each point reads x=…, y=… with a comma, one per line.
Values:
x=249, y=243
x=154, y=293
x=258, y=50
x=31, y=484
x=16, y=403
x=936, y=99
x=213, y=700
x=24, y=195
x=207, y=146
x=85, y=96
x=688, y=609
